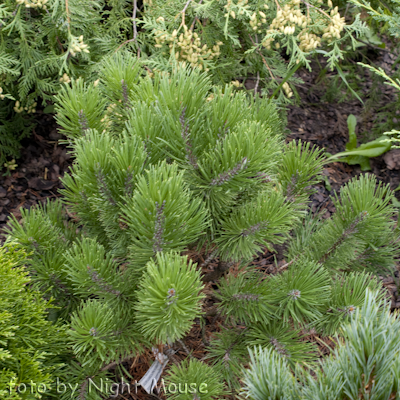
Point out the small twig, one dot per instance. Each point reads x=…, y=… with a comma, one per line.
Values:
x=257, y=82
x=15, y=11
x=318, y=9
x=60, y=44
x=83, y=388
x=195, y=19
x=209, y=258
x=264, y=61
x=115, y=363
x=154, y=395
x=203, y=335
x=186, y=6
x=134, y=19
x=359, y=52
x=67, y=12
x=278, y=5
x=375, y=47
x=185, y=348
x=192, y=26
x=347, y=9
x=183, y=12
x=280, y=269
x=122, y=44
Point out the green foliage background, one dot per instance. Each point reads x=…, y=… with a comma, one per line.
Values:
x=45, y=44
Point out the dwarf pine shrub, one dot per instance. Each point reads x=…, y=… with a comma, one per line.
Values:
x=173, y=164
x=365, y=364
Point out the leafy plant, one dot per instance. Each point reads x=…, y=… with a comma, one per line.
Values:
x=360, y=155
x=386, y=15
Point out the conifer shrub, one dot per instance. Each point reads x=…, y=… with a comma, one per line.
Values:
x=364, y=365
x=46, y=43
x=179, y=164
x=236, y=39
x=197, y=374
x=32, y=348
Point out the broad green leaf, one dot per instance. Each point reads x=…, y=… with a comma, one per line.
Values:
x=351, y=123
x=372, y=149
x=363, y=161
x=396, y=202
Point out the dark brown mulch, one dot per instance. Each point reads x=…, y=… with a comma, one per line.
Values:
x=325, y=124
x=37, y=178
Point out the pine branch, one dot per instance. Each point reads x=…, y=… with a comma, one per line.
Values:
x=280, y=348
x=103, y=188
x=186, y=138
x=225, y=177
x=96, y=278
x=159, y=228
x=125, y=96
x=255, y=228
x=352, y=229
x=83, y=122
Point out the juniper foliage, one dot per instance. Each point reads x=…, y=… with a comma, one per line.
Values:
x=44, y=44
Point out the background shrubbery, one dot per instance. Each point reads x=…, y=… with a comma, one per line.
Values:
x=45, y=44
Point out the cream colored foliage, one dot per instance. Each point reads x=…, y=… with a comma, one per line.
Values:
x=291, y=17
x=78, y=46
x=33, y=3
x=286, y=21
x=29, y=109
x=240, y=4
x=11, y=165
x=336, y=26
x=187, y=47
x=308, y=41
x=236, y=83
x=287, y=89
x=65, y=78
